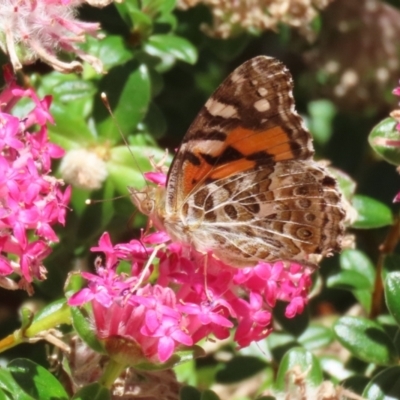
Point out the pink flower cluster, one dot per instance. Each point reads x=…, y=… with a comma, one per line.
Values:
x=185, y=296
x=38, y=29
x=30, y=199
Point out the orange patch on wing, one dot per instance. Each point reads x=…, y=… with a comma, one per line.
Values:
x=231, y=168
x=275, y=141
x=193, y=174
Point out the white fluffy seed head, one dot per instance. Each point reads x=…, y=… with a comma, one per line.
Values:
x=83, y=169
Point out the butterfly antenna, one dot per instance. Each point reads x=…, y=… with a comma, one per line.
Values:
x=91, y=202
x=106, y=103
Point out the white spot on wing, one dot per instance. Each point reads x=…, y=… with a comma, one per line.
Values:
x=262, y=105
x=262, y=91
x=218, y=109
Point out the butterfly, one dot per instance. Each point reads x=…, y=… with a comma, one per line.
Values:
x=243, y=184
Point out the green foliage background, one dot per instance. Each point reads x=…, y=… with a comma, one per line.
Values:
x=161, y=68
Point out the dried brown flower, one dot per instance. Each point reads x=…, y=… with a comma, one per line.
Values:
x=231, y=17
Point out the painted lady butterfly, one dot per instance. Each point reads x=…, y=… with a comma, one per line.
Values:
x=243, y=183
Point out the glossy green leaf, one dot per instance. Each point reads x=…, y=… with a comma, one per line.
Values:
x=50, y=309
x=156, y=7
x=366, y=340
x=26, y=317
x=172, y=46
x=154, y=123
x=371, y=213
x=356, y=383
x=239, y=368
x=10, y=386
x=189, y=393
x=127, y=165
x=209, y=395
x=94, y=391
x=305, y=361
x=334, y=367
x=384, y=386
x=392, y=294
x=128, y=91
x=385, y=140
x=65, y=88
x=350, y=280
x=279, y=343
x=316, y=336
x=346, y=183
x=84, y=328
x=356, y=260
x=36, y=380
x=356, y=263
x=112, y=50
x=134, y=17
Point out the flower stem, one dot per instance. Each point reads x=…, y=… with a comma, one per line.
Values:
x=38, y=329
x=111, y=373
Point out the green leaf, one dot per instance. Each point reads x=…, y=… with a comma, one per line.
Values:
x=299, y=358
x=134, y=17
x=279, y=343
x=128, y=91
x=239, y=368
x=166, y=46
x=85, y=329
x=111, y=50
x=209, y=395
x=189, y=393
x=334, y=367
x=154, y=123
x=321, y=114
x=26, y=317
x=392, y=294
x=371, y=213
x=155, y=7
x=385, y=140
x=384, y=386
x=126, y=170
x=347, y=185
x=36, y=380
x=50, y=309
x=356, y=260
x=316, y=336
x=357, y=275
x=9, y=386
x=66, y=88
x=94, y=391
x=355, y=383
x=366, y=340
x=350, y=280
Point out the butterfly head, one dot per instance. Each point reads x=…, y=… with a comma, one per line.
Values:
x=148, y=200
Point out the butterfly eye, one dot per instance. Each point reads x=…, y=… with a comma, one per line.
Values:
x=147, y=206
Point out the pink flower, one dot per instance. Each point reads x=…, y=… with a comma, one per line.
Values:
x=31, y=200
x=38, y=29
x=176, y=301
